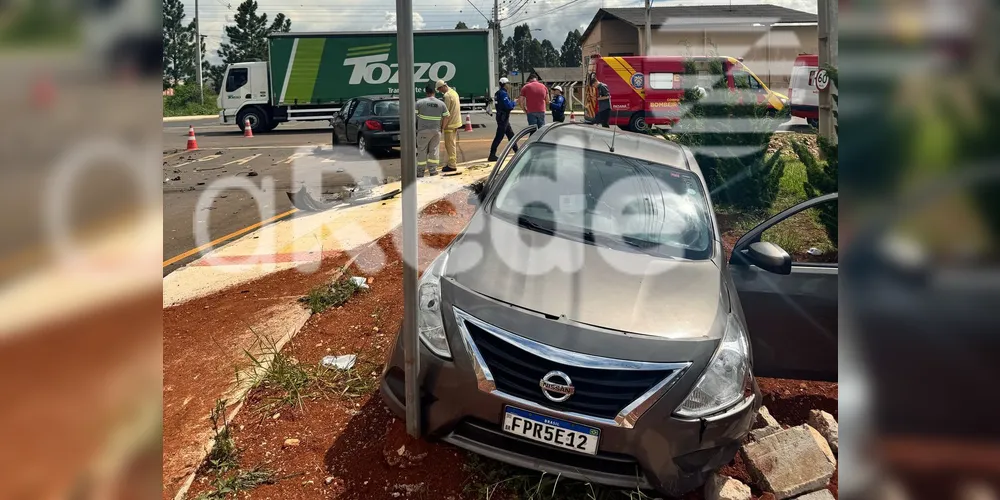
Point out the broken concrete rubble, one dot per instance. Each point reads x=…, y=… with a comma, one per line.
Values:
x=823, y=445
x=788, y=463
x=764, y=425
x=719, y=487
x=826, y=425
x=817, y=495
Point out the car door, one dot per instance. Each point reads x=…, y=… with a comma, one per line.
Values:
x=362, y=108
x=339, y=121
x=791, y=309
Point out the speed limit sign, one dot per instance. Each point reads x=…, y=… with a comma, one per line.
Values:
x=822, y=80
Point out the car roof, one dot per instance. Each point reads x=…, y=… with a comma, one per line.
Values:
x=383, y=97
x=627, y=144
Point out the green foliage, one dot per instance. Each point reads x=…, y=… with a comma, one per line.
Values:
x=248, y=37
x=186, y=101
x=179, y=52
x=37, y=22
x=224, y=455
x=729, y=139
x=461, y=26
x=324, y=297
x=571, y=52
x=822, y=176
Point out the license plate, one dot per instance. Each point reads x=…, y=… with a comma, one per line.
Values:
x=395, y=137
x=551, y=431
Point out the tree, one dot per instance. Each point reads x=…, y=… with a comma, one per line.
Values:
x=248, y=38
x=572, y=50
x=206, y=67
x=520, y=53
x=461, y=26
x=178, y=45
x=550, y=56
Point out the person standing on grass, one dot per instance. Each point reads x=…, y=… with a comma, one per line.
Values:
x=558, y=105
x=432, y=114
x=603, y=103
x=504, y=106
x=534, y=97
x=450, y=125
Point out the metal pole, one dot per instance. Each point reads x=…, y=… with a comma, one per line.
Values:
x=408, y=155
x=649, y=36
x=827, y=12
x=497, y=37
x=197, y=44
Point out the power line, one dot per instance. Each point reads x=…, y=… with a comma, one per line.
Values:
x=547, y=13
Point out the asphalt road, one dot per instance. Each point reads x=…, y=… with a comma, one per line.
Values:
x=225, y=158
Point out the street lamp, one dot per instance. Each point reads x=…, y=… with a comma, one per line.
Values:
x=523, y=43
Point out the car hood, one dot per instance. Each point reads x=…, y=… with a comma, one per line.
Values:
x=575, y=281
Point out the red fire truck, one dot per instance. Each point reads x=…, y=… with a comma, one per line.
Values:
x=647, y=90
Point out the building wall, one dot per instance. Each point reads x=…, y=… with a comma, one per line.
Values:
x=611, y=36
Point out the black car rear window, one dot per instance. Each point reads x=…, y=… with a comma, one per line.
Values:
x=386, y=108
x=607, y=199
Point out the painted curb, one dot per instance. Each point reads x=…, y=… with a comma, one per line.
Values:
x=168, y=119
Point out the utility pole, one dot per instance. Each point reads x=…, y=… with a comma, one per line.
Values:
x=197, y=47
x=649, y=35
x=827, y=57
x=496, y=38
x=408, y=164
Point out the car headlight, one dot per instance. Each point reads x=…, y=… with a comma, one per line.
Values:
x=724, y=382
x=430, y=324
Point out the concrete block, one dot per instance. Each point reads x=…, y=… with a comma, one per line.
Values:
x=823, y=445
x=788, y=463
x=823, y=494
x=826, y=425
x=720, y=487
x=764, y=419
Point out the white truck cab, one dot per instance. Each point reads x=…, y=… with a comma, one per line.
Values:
x=245, y=95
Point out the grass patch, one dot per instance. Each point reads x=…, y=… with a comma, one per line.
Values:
x=231, y=485
x=284, y=382
x=191, y=109
x=224, y=461
x=335, y=294
x=490, y=479
x=790, y=190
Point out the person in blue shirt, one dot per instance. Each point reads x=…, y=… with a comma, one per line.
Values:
x=558, y=105
x=504, y=105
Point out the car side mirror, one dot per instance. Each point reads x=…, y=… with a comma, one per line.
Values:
x=769, y=257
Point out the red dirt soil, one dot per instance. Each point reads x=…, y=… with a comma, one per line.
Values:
x=355, y=444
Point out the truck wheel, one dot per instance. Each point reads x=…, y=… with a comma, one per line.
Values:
x=638, y=123
x=258, y=122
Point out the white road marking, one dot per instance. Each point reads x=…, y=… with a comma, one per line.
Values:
x=208, y=158
x=292, y=158
x=243, y=161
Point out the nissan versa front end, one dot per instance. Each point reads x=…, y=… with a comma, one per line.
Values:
x=585, y=322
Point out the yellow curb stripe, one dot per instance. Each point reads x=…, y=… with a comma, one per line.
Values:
x=229, y=236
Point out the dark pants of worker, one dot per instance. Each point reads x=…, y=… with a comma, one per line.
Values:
x=503, y=128
x=602, y=118
x=558, y=117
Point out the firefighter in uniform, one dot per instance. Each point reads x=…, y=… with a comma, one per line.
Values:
x=431, y=117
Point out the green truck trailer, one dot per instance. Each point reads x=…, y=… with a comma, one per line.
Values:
x=310, y=75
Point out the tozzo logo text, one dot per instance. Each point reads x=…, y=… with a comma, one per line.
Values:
x=373, y=70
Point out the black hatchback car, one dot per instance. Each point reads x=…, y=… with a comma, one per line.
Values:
x=370, y=122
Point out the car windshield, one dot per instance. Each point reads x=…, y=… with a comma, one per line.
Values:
x=387, y=108
x=607, y=200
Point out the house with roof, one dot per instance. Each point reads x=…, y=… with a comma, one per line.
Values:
x=767, y=37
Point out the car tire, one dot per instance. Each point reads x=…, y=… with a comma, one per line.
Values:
x=258, y=121
x=363, y=149
x=813, y=122
x=638, y=123
x=334, y=140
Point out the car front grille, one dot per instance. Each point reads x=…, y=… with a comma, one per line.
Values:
x=603, y=392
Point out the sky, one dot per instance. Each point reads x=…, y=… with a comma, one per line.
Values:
x=554, y=17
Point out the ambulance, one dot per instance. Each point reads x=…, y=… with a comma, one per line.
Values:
x=802, y=90
x=647, y=90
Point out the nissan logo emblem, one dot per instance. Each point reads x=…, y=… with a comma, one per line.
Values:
x=556, y=386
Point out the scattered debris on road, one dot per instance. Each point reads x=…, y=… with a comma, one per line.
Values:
x=345, y=362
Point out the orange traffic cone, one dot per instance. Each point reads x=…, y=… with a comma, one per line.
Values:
x=468, y=122
x=247, y=131
x=572, y=116
x=192, y=141
x=43, y=92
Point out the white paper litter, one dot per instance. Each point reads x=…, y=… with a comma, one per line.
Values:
x=361, y=282
x=814, y=251
x=345, y=362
